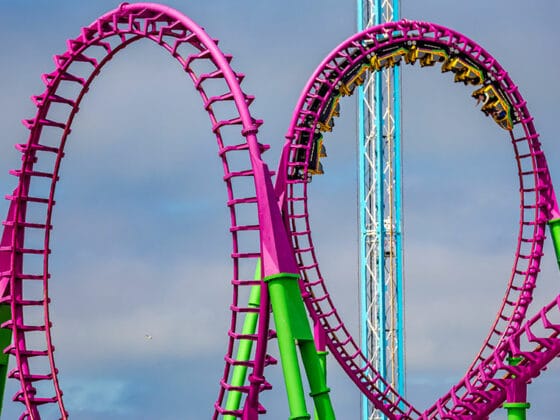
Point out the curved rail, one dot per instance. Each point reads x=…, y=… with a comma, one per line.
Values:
x=25, y=246
x=380, y=47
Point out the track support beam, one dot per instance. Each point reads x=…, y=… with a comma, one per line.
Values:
x=516, y=404
x=5, y=340
x=292, y=329
x=554, y=225
x=516, y=411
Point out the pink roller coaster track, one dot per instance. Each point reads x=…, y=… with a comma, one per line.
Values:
x=277, y=235
x=483, y=388
x=235, y=130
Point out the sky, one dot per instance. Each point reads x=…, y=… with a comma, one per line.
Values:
x=140, y=244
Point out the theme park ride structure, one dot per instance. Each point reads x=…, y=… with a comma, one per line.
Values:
x=406, y=42
x=278, y=239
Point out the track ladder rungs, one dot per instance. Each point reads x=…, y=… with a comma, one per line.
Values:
x=217, y=74
x=28, y=199
x=244, y=228
x=38, y=147
x=245, y=255
x=246, y=200
x=244, y=309
x=19, y=173
x=202, y=55
x=33, y=353
x=234, y=362
x=35, y=302
x=230, y=175
x=32, y=122
x=242, y=146
x=40, y=100
x=33, y=251
x=19, y=396
x=32, y=377
x=218, y=98
x=62, y=75
x=240, y=336
x=223, y=123
x=26, y=328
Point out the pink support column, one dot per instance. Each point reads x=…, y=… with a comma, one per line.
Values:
x=516, y=400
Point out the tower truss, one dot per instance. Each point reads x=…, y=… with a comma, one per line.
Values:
x=380, y=213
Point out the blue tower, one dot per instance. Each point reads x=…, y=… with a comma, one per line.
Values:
x=380, y=213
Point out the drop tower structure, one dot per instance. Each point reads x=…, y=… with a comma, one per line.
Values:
x=380, y=213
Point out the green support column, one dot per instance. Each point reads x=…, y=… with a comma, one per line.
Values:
x=517, y=411
x=5, y=340
x=317, y=380
x=288, y=329
x=292, y=328
x=323, y=362
x=554, y=225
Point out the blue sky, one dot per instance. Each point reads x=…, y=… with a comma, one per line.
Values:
x=140, y=242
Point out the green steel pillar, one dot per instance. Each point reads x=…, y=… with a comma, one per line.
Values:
x=320, y=344
x=554, y=225
x=323, y=360
x=517, y=411
x=5, y=340
x=317, y=380
x=292, y=329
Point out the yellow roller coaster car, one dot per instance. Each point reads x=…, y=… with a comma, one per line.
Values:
x=464, y=71
x=495, y=105
x=426, y=56
x=331, y=110
x=354, y=78
x=388, y=59
x=318, y=151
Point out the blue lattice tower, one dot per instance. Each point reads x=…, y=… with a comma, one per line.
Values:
x=380, y=212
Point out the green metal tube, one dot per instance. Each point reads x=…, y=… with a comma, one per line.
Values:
x=554, y=225
x=291, y=325
x=323, y=361
x=517, y=411
x=317, y=380
x=239, y=374
x=5, y=340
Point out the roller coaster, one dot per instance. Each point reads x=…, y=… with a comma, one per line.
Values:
x=275, y=269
